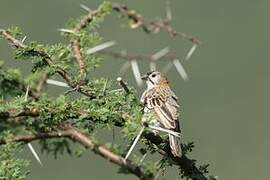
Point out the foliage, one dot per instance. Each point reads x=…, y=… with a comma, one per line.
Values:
x=10, y=166
x=96, y=106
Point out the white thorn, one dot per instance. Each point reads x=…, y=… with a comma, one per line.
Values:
x=26, y=94
x=191, y=51
x=115, y=90
x=85, y=7
x=29, y=144
x=56, y=83
x=34, y=153
x=157, y=56
x=136, y=72
x=143, y=158
x=180, y=69
x=168, y=10
x=24, y=38
x=160, y=53
x=66, y=30
x=105, y=86
x=134, y=143
x=176, y=134
x=100, y=47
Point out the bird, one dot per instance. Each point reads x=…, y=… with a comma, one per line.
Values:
x=161, y=108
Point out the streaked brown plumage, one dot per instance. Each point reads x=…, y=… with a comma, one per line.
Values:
x=161, y=107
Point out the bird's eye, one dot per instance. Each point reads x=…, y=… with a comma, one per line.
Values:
x=153, y=75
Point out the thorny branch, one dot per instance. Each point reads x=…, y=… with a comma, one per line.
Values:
x=77, y=136
x=186, y=164
x=140, y=57
x=78, y=56
x=75, y=42
x=150, y=25
x=46, y=57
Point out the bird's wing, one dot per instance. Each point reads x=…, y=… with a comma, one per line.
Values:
x=174, y=98
x=165, y=108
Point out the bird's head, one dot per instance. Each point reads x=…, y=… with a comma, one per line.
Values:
x=155, y=78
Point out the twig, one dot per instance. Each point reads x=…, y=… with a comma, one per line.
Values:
x=10, y=38
x=46, y=57
x=150, y=25
x=77, y=136
x=75, y=42
x=187, y=166
x=76, y=50
x=123, y=84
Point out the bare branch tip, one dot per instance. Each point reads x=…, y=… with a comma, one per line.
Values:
x=123, y=84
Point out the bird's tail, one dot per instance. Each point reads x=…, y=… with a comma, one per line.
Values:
x=175, y=145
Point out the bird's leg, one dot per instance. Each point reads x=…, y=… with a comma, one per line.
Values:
x=134, y=143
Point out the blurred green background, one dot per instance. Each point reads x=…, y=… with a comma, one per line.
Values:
x=225, y=102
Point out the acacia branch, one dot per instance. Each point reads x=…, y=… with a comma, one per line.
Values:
x=75, y=41
x=150, y=25
x=77, y=136
x=20, y=85
x=13, y=113
x=187, y=165
x=46, y=57
x=140, y=57
x=76, y=51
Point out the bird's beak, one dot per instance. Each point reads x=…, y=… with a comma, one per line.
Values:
x=144, y=77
